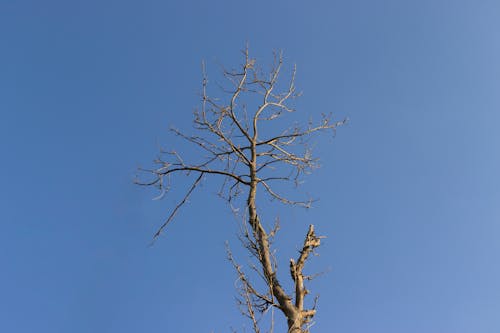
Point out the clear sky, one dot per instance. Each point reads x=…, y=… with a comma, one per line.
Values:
x=409, y=189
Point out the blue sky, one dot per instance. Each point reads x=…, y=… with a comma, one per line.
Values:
x=409, y=189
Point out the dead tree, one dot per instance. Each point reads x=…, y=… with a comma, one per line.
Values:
x=248, y=159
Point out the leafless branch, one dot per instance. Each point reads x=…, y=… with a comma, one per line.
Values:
x=179, y=205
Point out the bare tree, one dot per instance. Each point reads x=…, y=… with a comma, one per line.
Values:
x=249, y=159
